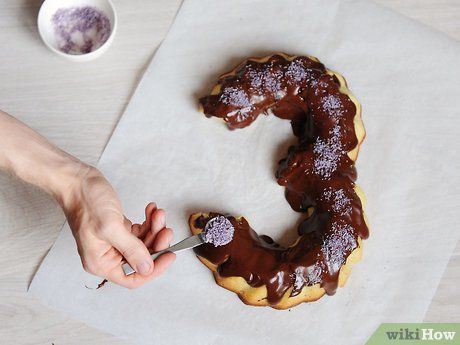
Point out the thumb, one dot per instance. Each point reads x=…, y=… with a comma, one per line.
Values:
x=133, y=250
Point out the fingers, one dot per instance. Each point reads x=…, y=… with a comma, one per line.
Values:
x=132, y=249
x=127, y=242
x=132, y=281
x=162, y=240
x=158, y=223
x=136, y=230
x=149, y=210
x=162, y=263
x=135, y=280
x=140, y=230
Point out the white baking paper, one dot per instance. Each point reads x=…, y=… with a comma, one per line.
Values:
x=407, y=78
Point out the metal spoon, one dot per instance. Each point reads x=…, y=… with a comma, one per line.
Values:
x=188, y=243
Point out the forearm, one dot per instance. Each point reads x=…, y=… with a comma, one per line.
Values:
x=29, y=156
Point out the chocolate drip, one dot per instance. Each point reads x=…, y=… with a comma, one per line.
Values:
x=317, y=173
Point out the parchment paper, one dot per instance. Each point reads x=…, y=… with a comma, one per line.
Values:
x=407, y=78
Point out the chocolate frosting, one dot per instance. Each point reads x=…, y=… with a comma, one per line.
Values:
x=318, y=174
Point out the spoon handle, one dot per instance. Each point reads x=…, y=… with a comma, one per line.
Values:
x=188, y=243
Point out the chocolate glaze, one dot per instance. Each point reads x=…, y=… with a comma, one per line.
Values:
x=317, y=174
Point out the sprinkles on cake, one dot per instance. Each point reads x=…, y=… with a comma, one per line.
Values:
x=219, y=231
x=341, y=204
x=318, y=173
x=235, y=97
x=332, y=105
x=296, y=71
x=339, y=241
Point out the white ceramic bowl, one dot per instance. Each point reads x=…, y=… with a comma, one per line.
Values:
x=46, y=29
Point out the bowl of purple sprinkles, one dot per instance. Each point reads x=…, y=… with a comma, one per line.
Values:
x=79, y=30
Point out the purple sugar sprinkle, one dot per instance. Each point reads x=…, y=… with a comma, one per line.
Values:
x=341, y=203
x=296, y=71
x=272, y=81
x=256, y=78
x=337, y=243
x=332, y=105
x=319, y=86
x=235, y=97
x=219, y=231
x=80, y=30
x=328, y=153
x=314, y=274
x=306, y=275
x=269, y=80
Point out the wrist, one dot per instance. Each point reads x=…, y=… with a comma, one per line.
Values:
x=66, y=181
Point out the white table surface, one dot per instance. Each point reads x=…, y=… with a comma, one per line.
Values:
x=77, y=107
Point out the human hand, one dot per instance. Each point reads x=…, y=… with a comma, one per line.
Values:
x=105, y=236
